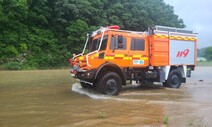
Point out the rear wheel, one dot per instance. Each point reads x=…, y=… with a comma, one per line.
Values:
x=109, y=84
x=174, y=79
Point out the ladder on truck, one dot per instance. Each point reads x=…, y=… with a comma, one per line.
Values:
x=174, y=31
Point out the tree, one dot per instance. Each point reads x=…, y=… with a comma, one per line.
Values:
x=76, y=35
x=44, y=33
x=12, y=29
x=208, y=53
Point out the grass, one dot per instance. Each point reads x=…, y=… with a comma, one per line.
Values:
x=206, y=63
x=101, y=115
x=196, y=123
x=166, y=119
x=3, y=68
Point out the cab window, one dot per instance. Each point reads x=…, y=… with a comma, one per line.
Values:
x=104, y=43
x=117, y=44
x=137, y=44
x=94, y=45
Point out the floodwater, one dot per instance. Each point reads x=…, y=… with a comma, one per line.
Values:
x=52, y=98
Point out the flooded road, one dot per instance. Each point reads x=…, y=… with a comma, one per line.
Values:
x=53, y=98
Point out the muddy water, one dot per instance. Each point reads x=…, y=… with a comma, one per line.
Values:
x=53, y=98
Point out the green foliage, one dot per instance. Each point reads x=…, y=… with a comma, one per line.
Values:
x=13, y=66
x=44, y=33
x=166, y=119
x=208, y=53
x=76, y=35
x=101, y=115
x=204, y=63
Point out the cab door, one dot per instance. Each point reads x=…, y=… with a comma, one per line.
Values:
x=118, y=53
x=138, y=52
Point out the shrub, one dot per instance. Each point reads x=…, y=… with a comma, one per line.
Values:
x=13, y=66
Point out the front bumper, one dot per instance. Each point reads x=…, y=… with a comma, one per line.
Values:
x=84, y=75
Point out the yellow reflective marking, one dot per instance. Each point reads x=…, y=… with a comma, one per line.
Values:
x=161, y=36
x=144, y=58
x=126, y=58
x=96, y=55
x=176, y=37
x=192, y=39
x=81, y=58
x=136, y=56
x=110, y=58
x=106, y=58
x=119, y=55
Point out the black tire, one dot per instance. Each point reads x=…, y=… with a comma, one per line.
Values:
x=109, y=84
x=174, y=79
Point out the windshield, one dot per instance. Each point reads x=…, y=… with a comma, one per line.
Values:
x=93, y=44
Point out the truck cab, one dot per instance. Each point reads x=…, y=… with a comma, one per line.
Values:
x=111, y=56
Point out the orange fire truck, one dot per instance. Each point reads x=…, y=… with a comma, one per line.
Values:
x=112, y=56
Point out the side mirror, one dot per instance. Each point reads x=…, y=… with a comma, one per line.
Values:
x=120, y=39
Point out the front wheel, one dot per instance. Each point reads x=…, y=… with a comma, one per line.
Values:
x=109, y=84
x=174, y=79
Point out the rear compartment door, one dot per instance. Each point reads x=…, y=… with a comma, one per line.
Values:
x=182, y=52
x=138, y=52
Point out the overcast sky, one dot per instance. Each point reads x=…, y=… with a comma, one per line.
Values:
x=197, y=16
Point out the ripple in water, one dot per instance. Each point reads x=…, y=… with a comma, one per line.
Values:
x=76, y=87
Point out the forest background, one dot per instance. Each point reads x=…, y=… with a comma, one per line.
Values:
x=40, y=34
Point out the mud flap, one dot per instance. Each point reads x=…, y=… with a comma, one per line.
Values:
x=161, y=76
x=183, y=80
x=188, y=72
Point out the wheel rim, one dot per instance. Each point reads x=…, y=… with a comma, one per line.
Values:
x=111, y=86
x=175, y=80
